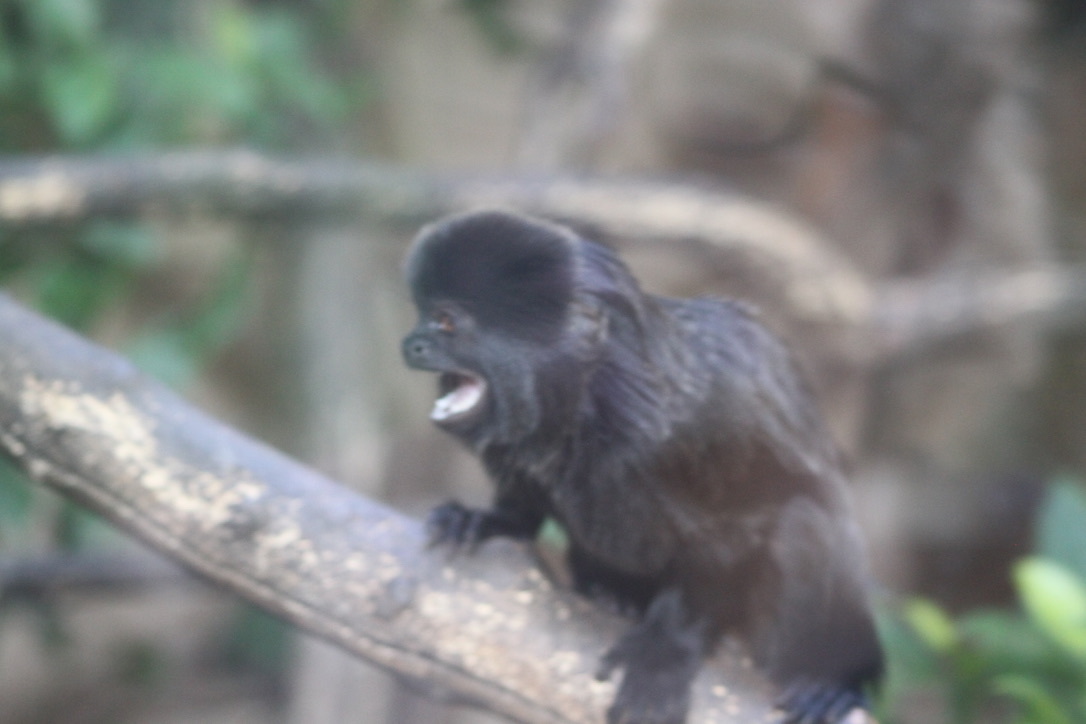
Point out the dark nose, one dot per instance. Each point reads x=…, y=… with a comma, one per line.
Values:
x=416, y=349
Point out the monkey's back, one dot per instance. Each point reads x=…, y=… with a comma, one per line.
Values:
x=745, y=400
x=729, y=436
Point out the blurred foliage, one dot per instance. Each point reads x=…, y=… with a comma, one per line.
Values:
x=139, y=74
x=80, y=74
x=126, y=75
x=132, y=75
x=15, y=504
x=492, y=19
x=256, y=641
x=174, y=350
x=1025, y=667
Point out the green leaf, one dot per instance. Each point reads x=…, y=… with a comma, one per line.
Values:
x=128, y=245
x=74, y=291
x=911, y=664
x=1056, y=600
x=552, y=533
x=1042, y=707
x=1061, y=524
x=493, y=21
x=232, y=32
x=257, y=641
x=174, y=354
x=140, y=663
x=181, y=95
x=292, y=79
x=222, y=313
x=63, y=22
x=78, y=529
x=9, y=71
x=81, y=96
x=15, y=497
x=165, y=354
x=932, y=624
x=1010, y=642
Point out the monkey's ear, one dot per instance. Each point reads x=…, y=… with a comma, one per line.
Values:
x=588, y=327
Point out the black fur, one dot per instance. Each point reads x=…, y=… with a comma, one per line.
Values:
x=673, y=441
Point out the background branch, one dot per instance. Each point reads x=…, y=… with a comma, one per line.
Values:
x=814, y=283
x=750, y=236
x=490, y=629
x=44, y=575
x=917, y=317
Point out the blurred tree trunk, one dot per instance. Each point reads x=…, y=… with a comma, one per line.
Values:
x=337, y=275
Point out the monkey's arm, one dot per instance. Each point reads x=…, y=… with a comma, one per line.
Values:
x=518, y=512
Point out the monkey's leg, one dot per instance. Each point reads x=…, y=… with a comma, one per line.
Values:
x=661, y=655
x=823, y=642
x=615, y=590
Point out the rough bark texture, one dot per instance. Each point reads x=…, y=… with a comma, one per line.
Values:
x=489, y=629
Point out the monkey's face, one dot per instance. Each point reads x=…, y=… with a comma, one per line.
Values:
x=494, y=293
x=442, y=342
x=492, y=388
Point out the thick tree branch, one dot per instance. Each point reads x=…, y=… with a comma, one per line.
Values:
x=488, y=628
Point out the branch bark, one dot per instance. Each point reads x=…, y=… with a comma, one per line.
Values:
x=488, y=628
x=912, y=319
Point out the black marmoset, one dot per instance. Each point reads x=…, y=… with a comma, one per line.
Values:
x=674, y=442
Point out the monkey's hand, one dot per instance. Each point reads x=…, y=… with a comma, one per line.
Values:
x=813, y=702
x=460, y=527
x=661, y=656
x=457, y=526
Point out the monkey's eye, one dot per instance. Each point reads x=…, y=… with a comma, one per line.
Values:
x=444, y=322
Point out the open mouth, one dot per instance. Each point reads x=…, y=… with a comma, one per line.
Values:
x=461, y=395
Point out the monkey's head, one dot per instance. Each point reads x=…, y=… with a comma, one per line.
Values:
x=507, y=319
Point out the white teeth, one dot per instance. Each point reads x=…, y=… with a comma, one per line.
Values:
x=463, y=399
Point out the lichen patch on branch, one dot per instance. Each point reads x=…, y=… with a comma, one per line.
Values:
x=203, y=499
x=48, y=195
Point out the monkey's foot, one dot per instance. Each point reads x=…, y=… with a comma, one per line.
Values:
x=649, y=695
x=456, y=525
x=647, y=710
x=809, y=702
x=661, y=656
